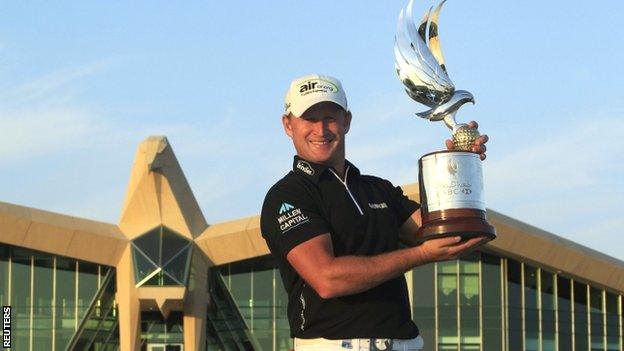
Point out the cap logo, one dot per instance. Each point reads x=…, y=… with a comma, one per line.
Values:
x=305, y=167
x=317, y=86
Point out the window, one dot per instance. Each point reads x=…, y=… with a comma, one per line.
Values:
x=492, y=304
x=161, y=258
x=548, y=297
x=613, y=329
x=257, y=290
x=595, y=318
x=48, y=295
x=514, y=305
x=564, y=302
x=581, y=340
x=469, y=324
x=43, y=288
x=447, y=305
x=531, y=313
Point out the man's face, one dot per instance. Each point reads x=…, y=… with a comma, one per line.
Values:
x=319, y=134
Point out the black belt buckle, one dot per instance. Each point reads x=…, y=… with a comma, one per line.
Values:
x=381, y=344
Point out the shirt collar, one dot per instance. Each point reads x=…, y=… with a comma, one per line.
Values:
x=314, y=171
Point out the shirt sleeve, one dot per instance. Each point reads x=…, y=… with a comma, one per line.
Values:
x=290, y=216
x=405, y=207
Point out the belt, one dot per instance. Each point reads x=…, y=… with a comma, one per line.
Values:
x=378, y=344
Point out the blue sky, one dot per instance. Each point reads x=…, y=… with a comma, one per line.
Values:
x=83, y=83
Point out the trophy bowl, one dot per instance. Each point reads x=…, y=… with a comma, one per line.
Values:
x=451, y=196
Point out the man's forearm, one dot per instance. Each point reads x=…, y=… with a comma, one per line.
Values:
x=353, y=274
x=334, y=276
x=347, y=275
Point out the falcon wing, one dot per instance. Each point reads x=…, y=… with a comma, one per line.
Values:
x=426, y=81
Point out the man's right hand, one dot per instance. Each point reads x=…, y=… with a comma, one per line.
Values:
x=449, y=248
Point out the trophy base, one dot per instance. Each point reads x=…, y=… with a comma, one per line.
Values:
x=465, y=223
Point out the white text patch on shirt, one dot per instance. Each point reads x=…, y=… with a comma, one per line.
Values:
x=377, y=206
x=290, y=218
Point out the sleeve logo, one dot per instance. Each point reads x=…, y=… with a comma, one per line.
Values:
x=290, y=217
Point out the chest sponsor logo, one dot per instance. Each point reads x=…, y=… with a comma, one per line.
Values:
x=377, y=206
x=305, y=167
x=290, y=217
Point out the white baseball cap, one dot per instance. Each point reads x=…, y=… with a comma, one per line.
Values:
x=306, y=91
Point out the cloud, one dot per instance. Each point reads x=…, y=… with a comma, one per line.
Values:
x=602, y=235
x=578, y=156
x=39, y=118
x=40, y=130
x=570, y=158
x=567, y=183
x=43, y=116
x=47, y=87
x=48, y=118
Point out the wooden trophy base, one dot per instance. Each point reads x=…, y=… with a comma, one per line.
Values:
x=466, y=223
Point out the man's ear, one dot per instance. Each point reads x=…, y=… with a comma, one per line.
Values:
x=347, y=121
x=287, y=125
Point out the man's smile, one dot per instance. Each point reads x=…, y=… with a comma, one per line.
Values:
x=320, y=142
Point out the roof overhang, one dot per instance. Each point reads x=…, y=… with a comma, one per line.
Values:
x=62, y=235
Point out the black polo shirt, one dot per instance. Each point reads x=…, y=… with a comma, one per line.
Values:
x=363, y=215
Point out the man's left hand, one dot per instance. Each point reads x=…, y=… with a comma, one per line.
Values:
x=479, y=144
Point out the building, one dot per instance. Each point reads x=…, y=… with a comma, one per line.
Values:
x=163, y=279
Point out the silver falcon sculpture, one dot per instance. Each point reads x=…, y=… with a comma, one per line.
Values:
x=420, y=65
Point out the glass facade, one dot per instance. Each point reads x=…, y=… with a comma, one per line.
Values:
x=482, y=302
x=564, y=313
x=458, y=300
x=548, y=316
x=226, y=329
x=513, y=306
x=161, y=258
x=49, y=296
x=580, y=316
x=257, y=290
x=156, y=330
x=423, y=307
x=447, y=302
x=491, y=296
x=490, y=303
x=99, y=329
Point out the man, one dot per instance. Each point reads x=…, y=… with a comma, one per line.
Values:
x=335, y=234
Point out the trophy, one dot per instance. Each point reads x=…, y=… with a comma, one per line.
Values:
x=450, y=181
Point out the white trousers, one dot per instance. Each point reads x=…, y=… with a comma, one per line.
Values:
x=321, y=344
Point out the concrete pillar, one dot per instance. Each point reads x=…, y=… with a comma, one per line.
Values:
x=128, y=305
x=196, y=304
